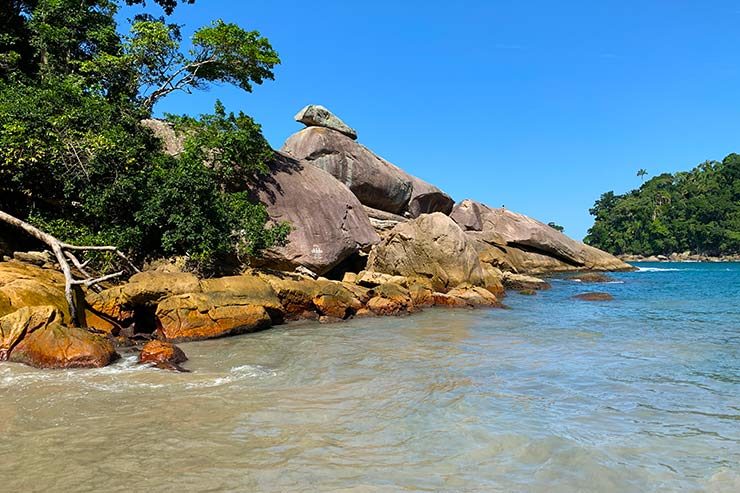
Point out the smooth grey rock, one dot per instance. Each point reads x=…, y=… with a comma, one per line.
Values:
x=329, y=223
x=516, y=242
x=426, y=198
x=378, y=183
x=315, y=115
x=374, y=181
x=172, y=142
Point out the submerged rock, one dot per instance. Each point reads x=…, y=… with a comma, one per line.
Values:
x=594, y=297
x=592, y=277
x=315, y=115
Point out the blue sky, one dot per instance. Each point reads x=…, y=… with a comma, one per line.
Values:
x=536, y=105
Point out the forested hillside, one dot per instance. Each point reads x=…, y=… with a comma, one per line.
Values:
x=696, y=211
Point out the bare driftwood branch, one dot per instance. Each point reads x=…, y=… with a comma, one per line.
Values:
x=64, y=255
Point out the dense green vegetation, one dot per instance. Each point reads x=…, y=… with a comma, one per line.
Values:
x=696, y=211
x=74, y=158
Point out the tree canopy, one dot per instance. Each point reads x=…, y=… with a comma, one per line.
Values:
x=75, y=159
x=696, y=211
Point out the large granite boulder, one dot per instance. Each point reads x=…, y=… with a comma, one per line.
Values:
x=328, y=222
x=42, y=341
x=376, y=182
x=525, y=244
x=315, y=115
x=431, y=247
x=23, y=285
x=426, y=198
x=198, y=316
x=15, y=326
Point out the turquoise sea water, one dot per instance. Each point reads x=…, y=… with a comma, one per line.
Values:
x=641, y=393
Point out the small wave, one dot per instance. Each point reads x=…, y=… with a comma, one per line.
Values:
x=236, y=374
x=656, y=269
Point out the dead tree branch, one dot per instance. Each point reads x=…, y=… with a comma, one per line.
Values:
x=63, y=255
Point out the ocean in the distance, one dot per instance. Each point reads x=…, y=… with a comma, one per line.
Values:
x=641, y=393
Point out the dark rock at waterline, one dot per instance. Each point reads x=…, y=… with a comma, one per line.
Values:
x=528, y=292
x=523, y=282
x=594, y=296
x=163, y=355
x=592, y=277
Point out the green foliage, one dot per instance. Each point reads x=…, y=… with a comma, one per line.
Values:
x=697, y=211
x=75, y=160
x=167, y=5
x=151, y=57
x=556, y=226
x=233, y=145
x=227, y=53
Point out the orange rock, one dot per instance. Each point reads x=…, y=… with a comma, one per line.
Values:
x=143, y=289
x=421, y=295
x=160, y=352
x=23, y=284
x=57, y=346
x=364, y=312
x=197, y=316
x=17, y=325
x=474, y=295
x=335, y=300
x=441, y=299
x=390, y=299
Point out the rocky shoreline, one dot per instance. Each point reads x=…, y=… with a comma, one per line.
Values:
x=367, y=239
x=679, y=257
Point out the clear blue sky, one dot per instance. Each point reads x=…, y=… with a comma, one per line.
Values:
x=537, y=105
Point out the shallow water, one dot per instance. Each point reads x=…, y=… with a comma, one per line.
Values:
x=638, y=394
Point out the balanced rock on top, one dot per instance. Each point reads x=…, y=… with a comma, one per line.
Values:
x=315, y=115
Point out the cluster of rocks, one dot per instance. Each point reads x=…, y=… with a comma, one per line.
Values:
x=170, y=307
x=391, y=242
